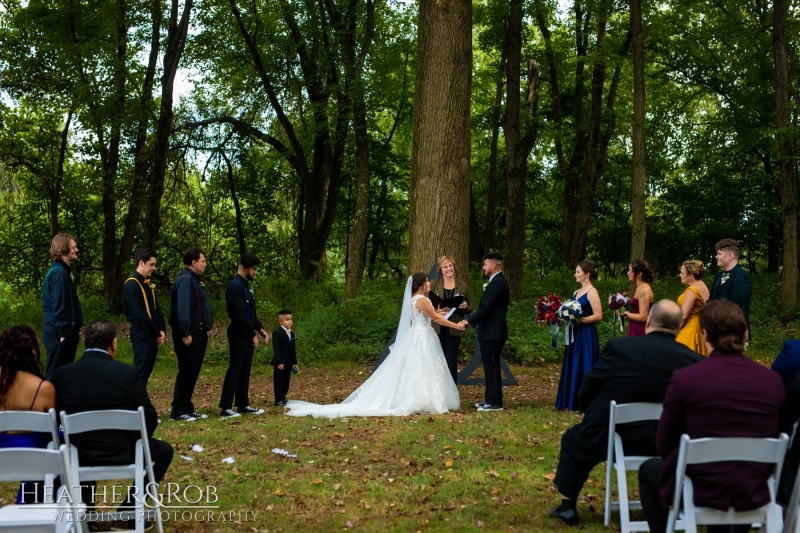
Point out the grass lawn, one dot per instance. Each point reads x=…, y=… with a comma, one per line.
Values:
x=463, y=471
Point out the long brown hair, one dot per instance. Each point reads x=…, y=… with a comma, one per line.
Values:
x=19, y=352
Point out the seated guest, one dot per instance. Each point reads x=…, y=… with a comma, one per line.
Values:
x=787, y=364
x=727, y=395
x=97, y=382
x=23, y=388
x=632, y=369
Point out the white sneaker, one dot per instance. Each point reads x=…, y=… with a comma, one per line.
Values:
x=182, y=418
x=228, y=413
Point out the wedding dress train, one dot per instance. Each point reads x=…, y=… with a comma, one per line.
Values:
x=413, y=378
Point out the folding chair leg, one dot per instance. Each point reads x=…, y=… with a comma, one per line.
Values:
x=609, y=482
x=622, y=490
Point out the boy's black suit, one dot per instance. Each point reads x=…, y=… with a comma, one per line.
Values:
x=284, y=349
x=490, y=324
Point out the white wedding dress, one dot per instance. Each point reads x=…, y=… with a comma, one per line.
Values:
x=412, y=379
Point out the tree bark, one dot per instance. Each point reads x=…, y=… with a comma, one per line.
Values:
x=55, y=194
x=571, y=172
x=589, y=183
x=237, y=209
x=141, y=156
x=112, y=282
x=440, y=157
x=176, y=42
x=518, y=148
x=490, y=232
x=639, y=178
x=785, y=170
x=357, y=239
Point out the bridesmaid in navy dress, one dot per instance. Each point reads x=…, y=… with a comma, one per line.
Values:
x=582, y=353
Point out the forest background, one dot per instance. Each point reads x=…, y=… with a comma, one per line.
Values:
x=287, y=129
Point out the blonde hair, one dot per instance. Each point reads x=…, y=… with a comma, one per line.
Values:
x=443, y=261
x=695, y=268
x=59, y=246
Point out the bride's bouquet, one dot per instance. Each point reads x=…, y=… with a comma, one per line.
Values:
x=616, y=301
x=546, y=309
x=569, y=312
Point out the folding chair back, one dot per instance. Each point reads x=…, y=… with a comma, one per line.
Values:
x=792, y=524
x=712, y=450
x=616, y=460
x=116, y=419
x=21, y=464
x=31, y=421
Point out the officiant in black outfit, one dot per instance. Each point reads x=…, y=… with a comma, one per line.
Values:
x=490, y=323
x=447, y=286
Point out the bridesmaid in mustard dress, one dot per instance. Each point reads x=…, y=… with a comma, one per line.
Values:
x=692, y=301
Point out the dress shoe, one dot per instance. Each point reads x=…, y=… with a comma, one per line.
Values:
x=568, y=516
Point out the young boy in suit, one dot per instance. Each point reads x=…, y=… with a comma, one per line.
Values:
x=284, y=363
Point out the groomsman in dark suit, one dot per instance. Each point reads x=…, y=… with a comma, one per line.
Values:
x=190, y=318
x=243, y=333
x=61, y=308
x=147, y=322
x=285, y=359
x=489, y=322
x=732, y=282
x=630, y=369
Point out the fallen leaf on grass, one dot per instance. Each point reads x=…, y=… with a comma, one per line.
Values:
x=317, y=481
x=337, y=486
x=279, y=493
x=495, y=490
x=447, y=447
x=550, y=477
x=340, y=435
x=449, y=462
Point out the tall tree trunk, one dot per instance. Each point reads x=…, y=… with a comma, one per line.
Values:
x=440, y=157
x=518, y=147
x=141, y=156
x=788, y=188
x=176, y=42
x=237, y=209
x=357, y=239
x=112, y=282
x=639, y=177
x=571, y=172
x=55, y=193
x=490, y=232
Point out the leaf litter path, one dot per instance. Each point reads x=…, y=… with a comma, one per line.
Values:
x=462, y=471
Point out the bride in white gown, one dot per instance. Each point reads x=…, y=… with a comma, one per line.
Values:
x=412, y=379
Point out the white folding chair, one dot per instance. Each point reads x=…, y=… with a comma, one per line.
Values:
x=143, y=464
x=713, y=450
x=792, y=524
x=32, y=421
x=64, y=515
x=617, y=460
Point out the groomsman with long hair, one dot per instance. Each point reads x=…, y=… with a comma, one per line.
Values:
x=61, y=308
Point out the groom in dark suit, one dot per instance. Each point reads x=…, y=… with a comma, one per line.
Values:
x=489, y=322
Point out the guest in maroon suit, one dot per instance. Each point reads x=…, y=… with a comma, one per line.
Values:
x=727, y=395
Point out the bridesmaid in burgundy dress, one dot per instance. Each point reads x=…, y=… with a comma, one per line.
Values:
x=641, y=272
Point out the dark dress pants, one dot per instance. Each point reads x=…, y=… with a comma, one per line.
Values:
x=576, y=460
x=490, y=355
x=145, y=350
x=656, y=515
x=450, y=344
x=280, y=381
x=190, y=361
x=59, y=353
x=237, y=378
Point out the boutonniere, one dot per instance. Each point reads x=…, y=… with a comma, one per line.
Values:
x=725, y=277
x=252, y=291
x=152, y=286
x=485, y=285
x=72, y=278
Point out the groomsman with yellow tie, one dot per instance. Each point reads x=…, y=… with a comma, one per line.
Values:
x=148, y=329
